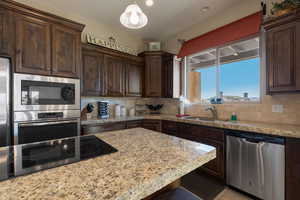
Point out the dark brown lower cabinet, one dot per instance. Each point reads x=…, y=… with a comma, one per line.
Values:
x=292, y=151
x=210, y=136
x=154, y=125
x=100, y=128
x=134, y=124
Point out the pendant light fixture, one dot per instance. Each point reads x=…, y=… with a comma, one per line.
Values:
x=133, y=17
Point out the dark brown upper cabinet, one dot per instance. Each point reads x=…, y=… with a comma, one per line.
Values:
x=93, y=74
x=157, y=74
x=40, y=42
x=115, y=75
x=282, y=49
x=6, y=32
x=108, y=72
x=66, y=52
x=168, y=76
x=33, y=46
x=134, y=80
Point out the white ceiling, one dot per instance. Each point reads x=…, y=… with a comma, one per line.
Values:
x=166, y=17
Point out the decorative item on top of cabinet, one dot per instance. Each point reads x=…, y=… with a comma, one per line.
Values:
x=33, y=45
x=66, y=52
x=93, y=77
x=158, y=74
x=115, y=76
x=283, y=45
x=6, y=32
x=45, y=44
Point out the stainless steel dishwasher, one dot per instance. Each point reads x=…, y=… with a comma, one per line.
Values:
x=256, y=164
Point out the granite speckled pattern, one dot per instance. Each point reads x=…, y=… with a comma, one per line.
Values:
x=257, y=127
x=146, y=162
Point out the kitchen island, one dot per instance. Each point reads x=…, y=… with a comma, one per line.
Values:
x=145, y=163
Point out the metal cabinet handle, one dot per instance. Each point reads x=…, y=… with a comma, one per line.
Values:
x=47, y=123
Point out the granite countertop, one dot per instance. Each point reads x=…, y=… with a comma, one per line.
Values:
x=257, y=127
x=145, y=163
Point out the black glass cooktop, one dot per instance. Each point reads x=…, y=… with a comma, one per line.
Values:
x=91, y=146
x=43, y=155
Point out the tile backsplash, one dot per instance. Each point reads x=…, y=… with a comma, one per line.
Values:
x=170, y=105
x=257, y=112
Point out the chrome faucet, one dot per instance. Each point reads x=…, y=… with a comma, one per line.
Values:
x=214, y=111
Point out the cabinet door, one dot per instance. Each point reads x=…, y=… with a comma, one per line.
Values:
x=66, y=52
x=93, y=74
x=283, y=70
x=292, y=171
x=168, y=77
x=154, y=125
x=6, y=31
x=153, y=75
x=216, y=166
x=116, y=76
x=134, y=80
x=210, y=136
x=33, y=54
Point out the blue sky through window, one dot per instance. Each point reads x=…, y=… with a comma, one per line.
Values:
x=236, y=78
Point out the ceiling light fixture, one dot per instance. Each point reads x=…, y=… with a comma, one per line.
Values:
x=149, y=3
x=133, y=17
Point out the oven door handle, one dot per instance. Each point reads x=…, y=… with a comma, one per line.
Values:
x=47, y=123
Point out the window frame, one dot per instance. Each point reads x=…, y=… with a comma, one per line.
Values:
x=218, y=71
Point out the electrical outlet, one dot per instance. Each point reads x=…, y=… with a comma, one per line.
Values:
x=277, y=108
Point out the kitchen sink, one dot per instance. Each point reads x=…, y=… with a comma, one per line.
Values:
x=204, y=119
x=200, y=118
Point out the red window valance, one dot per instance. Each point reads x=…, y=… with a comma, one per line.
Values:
x=237, y=30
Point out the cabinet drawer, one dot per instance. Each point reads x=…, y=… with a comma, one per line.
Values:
x=134, y=124
x=169, y=127
x=194, y=131
x=93, y=129
x=154, y=125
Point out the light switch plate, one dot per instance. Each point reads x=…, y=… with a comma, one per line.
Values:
x=277, y=108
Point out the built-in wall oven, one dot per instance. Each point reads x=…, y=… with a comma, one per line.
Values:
x=33, y=157
x=36, y=126
x=44, y=93
x=45, y=108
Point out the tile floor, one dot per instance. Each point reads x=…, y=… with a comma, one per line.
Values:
x=207, y=188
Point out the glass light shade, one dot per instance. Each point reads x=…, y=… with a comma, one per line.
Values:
x=133, y=17
x=149, y=3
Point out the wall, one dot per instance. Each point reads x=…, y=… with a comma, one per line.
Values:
x=238, y=11
x=99, y=29
x=259, y=112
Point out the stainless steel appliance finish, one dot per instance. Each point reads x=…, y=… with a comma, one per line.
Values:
x=5, y=132
x=38, y=156
x=4, y=162
x=256, y=164
x=48, y=84
x=34, y=115
x=43, y=155
x=4, y=102
x=38, y=126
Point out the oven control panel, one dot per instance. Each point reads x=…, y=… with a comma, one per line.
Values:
x=51, y=115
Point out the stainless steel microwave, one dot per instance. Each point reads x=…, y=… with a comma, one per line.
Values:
x=34, y=93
